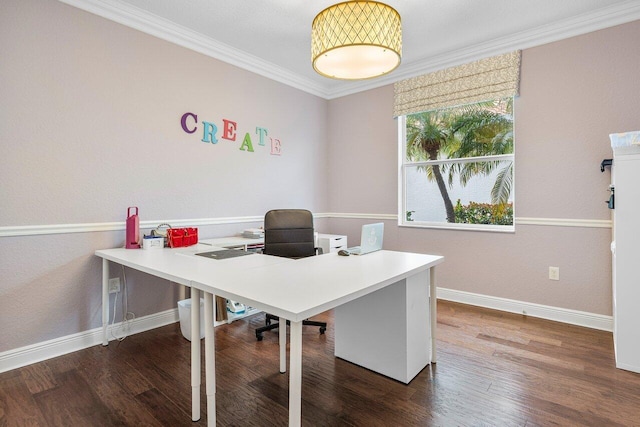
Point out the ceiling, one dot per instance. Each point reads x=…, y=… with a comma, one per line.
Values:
x=272, y=37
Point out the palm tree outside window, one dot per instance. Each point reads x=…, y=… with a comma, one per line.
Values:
x=457, y=167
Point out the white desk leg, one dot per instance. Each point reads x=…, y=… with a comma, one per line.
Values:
x=195, y=354
x=210, y=358
x=282, y=336
x=295, y=374
x=105, y=300
x=434, y=311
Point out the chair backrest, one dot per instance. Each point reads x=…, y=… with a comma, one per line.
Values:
x=289, y=233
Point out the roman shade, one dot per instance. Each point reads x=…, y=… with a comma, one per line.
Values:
x=486, y=79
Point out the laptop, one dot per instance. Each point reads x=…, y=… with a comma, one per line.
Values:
x=370, y=239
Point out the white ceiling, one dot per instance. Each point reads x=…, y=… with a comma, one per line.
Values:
x=272, y=37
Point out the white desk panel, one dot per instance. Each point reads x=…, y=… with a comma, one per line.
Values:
x=387, y=331
x=297, y=290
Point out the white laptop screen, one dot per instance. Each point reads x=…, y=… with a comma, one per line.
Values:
x=370, y=239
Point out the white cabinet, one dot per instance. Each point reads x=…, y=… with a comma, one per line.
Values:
x=626, y=258
x=398, y=345
x=332, y=242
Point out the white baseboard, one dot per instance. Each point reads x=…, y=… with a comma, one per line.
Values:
x=627, y=367
x=572, y=317
x=24, y=356
x=34, y=353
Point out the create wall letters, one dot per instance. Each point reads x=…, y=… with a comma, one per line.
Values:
x=209, y=133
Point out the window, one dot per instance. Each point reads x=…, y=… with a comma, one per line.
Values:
x=456, y=145
x=456, y=168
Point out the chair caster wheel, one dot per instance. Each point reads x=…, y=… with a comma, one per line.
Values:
x=322, y=331
x=259, y=337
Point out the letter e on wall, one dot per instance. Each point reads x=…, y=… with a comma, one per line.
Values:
x=276, y=147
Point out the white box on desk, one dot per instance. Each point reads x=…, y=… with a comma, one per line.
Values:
x=153, y=243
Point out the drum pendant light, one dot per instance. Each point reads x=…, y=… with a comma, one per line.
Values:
x=356, y=40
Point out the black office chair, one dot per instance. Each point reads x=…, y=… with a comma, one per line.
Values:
x=288, y=233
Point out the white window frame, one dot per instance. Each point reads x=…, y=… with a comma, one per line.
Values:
x=402, y=205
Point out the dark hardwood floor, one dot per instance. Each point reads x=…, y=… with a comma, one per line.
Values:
x=494, y=369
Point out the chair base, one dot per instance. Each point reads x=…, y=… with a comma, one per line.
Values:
x=270, y=326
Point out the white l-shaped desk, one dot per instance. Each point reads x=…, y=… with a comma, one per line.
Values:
x=358, y=287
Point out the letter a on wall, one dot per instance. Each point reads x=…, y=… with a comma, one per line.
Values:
x=246, y=144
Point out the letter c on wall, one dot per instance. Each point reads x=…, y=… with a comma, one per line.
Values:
x=183, y=122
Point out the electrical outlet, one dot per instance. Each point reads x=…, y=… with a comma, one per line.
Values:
x=554, y=273
x=114, y=285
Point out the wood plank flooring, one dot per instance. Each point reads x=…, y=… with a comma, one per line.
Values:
x=494, y=369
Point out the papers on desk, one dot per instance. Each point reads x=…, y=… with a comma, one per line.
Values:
x=224, y=254
x=253, y=233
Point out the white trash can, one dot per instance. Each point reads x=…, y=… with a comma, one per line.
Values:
x=184, y=311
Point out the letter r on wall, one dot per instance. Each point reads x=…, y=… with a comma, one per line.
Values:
x=209, y=133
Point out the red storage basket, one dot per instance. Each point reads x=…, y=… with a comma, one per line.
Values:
x=179, y=237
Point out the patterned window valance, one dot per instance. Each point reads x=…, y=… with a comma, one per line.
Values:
x=483, y=80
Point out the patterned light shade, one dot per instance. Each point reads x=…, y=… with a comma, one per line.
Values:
x=356, y=40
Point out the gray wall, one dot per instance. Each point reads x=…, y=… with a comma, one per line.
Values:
x=573, y=94
x=89, y=124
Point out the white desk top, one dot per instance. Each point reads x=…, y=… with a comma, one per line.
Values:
x=293, y=289
x=180, y=265
x=226, y=242
x=303, y=288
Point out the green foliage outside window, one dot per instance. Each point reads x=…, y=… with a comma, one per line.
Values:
x=436, y=139
x=484, y=213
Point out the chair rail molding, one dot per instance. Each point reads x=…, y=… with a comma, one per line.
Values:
x=35, y=230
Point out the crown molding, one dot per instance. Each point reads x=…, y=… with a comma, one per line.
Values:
x=148, y=23
x=582, y=24
x=156, y=26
